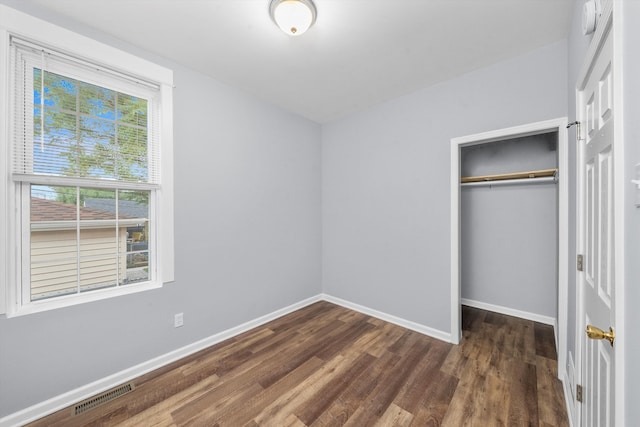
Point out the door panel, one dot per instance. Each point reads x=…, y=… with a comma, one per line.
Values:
x=598, y=279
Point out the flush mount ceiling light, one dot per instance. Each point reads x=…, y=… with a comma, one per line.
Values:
x=294, y=17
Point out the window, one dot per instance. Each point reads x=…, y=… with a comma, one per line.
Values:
x=86, y=182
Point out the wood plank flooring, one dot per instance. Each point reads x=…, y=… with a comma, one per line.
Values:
x=325, y=365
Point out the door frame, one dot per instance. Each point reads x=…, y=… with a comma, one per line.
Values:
x=610, y=14
x=558, y=125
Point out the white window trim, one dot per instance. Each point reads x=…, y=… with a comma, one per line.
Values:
x=13, y=22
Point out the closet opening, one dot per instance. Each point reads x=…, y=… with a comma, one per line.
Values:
x=509, y=228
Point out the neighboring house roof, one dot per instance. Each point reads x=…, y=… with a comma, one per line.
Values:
x=51, y=210
x=128, y=208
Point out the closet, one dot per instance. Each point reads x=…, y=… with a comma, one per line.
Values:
x=509, y=226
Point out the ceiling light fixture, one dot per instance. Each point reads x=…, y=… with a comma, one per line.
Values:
x=294, y=17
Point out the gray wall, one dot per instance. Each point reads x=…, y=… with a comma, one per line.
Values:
x=517, y=223
x=247, y=232
x=385, y=181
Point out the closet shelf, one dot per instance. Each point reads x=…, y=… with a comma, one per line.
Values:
x=542, y=173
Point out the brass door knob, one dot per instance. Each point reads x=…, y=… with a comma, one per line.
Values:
x=598, y=334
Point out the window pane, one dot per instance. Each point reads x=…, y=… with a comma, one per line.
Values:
x=54, y=255
x=99, y=239
x=132, y=158
x=78, y=245
x=133, y=210
x=97, y=271
x=132, y=110
x=59, y=92
x=54, y=152
x=89, y=131
x=98, y=149
x=97, y=101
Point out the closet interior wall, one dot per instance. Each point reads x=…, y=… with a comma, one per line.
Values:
x=509, y=233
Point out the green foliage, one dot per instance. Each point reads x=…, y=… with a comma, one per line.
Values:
x=89, y=131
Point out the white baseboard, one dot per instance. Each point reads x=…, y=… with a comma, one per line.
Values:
x=61, y=401
x=425, y=330
x=557, y=340
x=64, y=400
x=547, y=320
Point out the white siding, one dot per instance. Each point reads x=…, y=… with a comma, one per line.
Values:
x=54, y=260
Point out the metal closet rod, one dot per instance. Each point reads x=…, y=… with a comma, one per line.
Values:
x=528, y=177
x=505, y=182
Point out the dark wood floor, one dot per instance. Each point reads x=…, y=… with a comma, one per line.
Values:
x=327, y=365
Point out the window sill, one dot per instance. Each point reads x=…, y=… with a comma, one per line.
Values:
x=72, y=300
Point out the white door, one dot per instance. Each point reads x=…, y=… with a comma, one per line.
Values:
x=598, y=279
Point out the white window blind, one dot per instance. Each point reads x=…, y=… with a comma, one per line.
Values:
x=88, y=171
x=88, y=193
x=80, y=123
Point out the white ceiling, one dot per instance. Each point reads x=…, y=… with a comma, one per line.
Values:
x=358, y=53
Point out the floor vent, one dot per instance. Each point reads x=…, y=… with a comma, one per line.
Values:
x=101, y=398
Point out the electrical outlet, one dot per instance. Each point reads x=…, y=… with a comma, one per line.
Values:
x=178, y=320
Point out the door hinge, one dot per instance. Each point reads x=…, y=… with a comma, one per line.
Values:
x=578, y=392
x=580, y=263
x=578, y=129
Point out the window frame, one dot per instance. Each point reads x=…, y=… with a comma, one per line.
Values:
x=26, y=27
